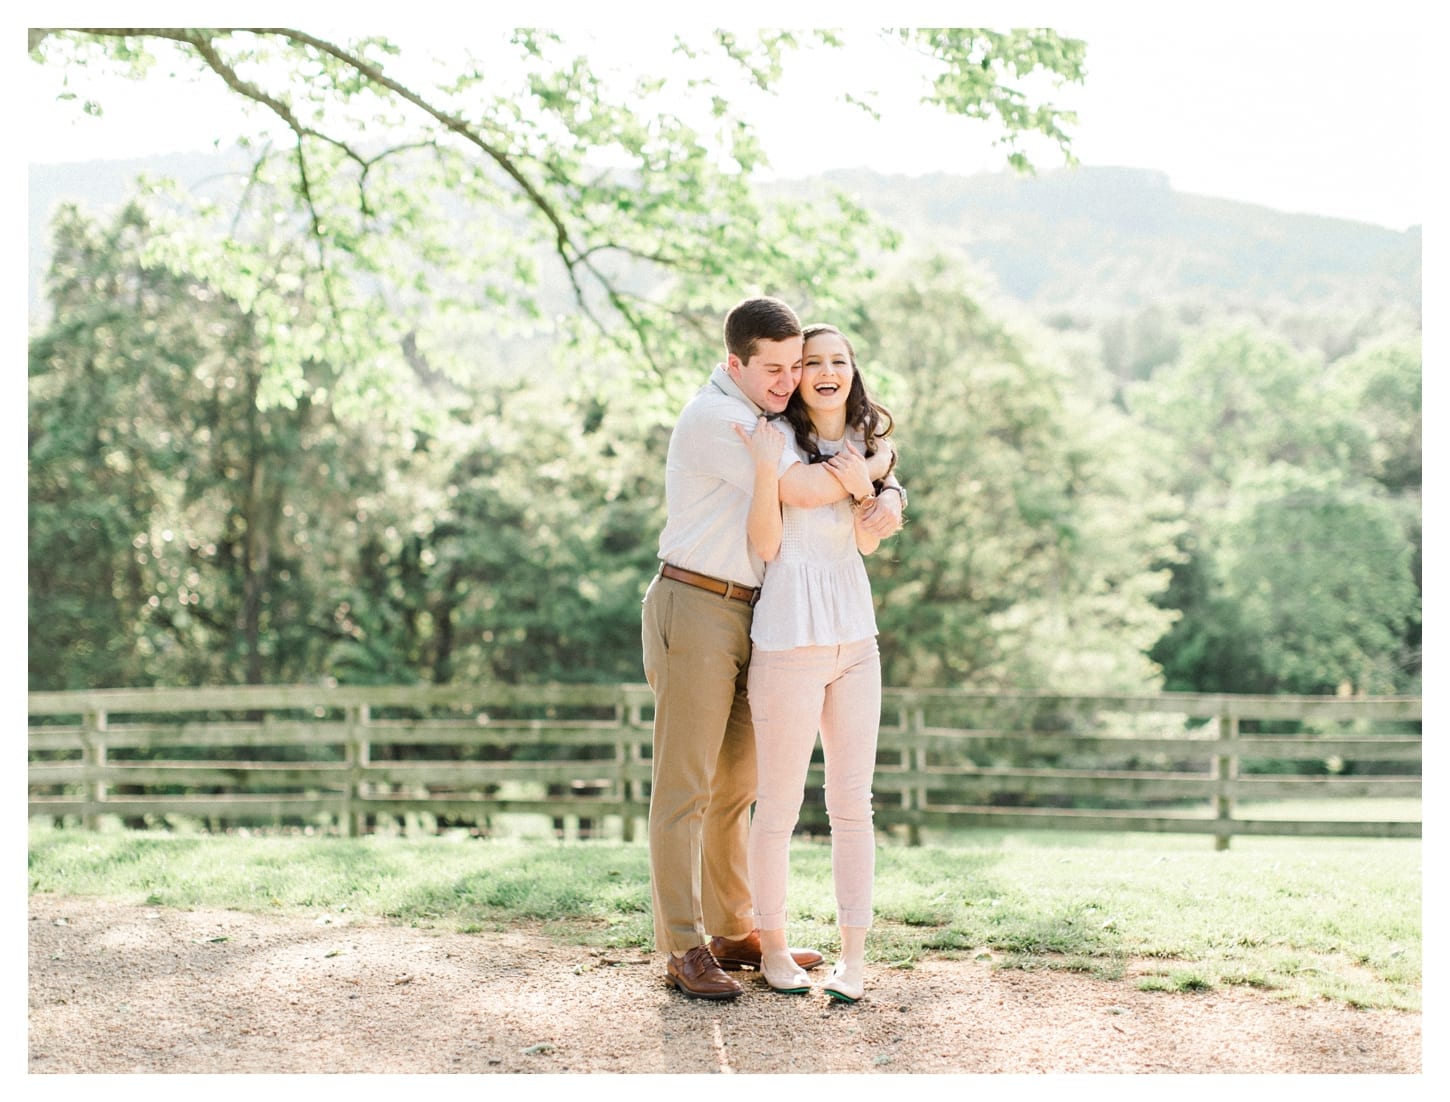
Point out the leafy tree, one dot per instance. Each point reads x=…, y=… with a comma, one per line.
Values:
x=1036, y=542
x=1133, y=347
x=547, y=540
x=180, y=533
x=1319, y=576
x=1240, y=399
x=90, y=493
x=431, y=192
x=1300, y=570
x=1379, y=387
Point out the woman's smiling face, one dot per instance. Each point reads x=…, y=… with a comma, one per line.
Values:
x=826, y=373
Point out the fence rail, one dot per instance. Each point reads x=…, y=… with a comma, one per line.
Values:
x=346, y=757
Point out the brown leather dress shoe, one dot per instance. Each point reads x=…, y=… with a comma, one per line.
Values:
x=698, y=975
x=734, y=955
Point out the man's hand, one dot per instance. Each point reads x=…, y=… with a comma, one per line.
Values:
x=883, y=519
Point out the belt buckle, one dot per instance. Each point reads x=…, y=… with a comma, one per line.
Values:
x=744, y=593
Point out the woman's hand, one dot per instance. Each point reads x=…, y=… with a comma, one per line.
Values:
x=849, y=467
x=766, y=444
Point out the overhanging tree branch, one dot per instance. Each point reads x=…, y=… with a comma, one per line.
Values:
x=675, y=199
x=571, y=253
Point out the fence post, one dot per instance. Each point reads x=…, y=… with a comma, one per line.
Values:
x=1225, y=769
x=634, y=792
x=356, y=753
x=93, y=755
x=624, y=787
x=918, y=762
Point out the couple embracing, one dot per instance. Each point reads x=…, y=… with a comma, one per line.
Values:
x=758, y=632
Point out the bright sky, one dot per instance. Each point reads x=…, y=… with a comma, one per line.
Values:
x=1306, y=108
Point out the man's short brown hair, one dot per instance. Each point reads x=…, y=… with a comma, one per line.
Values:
x=755, y=320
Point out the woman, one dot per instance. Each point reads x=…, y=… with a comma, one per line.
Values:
x=814, y=663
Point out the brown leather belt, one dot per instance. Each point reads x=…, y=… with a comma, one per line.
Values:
x=714, y=585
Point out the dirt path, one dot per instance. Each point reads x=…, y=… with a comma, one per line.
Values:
x=117, y=988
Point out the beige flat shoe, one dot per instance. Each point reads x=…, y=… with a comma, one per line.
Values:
x=793, y=982
x=838, y=989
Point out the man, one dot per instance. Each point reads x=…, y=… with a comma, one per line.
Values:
x=696, y=636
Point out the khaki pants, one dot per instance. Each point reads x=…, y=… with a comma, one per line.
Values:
x=696, y=658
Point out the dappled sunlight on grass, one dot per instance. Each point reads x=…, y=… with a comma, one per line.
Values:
x=1333, y=918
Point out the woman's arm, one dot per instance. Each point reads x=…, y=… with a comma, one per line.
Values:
x=807, y=485
x=867, y=540
x=763, y=523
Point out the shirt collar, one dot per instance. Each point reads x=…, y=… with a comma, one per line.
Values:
x=720, y=379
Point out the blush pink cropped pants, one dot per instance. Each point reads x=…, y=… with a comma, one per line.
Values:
x=835, y=690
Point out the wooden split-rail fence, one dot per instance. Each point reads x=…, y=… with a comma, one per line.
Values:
x=347, y=759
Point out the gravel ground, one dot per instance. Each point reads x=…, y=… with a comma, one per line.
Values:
x=116, y=988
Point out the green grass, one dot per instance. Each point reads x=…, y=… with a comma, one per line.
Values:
x=1305, y=919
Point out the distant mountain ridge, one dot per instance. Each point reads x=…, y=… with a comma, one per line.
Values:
x=1088, y=240
x=1091, y=239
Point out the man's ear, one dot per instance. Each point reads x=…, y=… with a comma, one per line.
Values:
x=733, y=365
